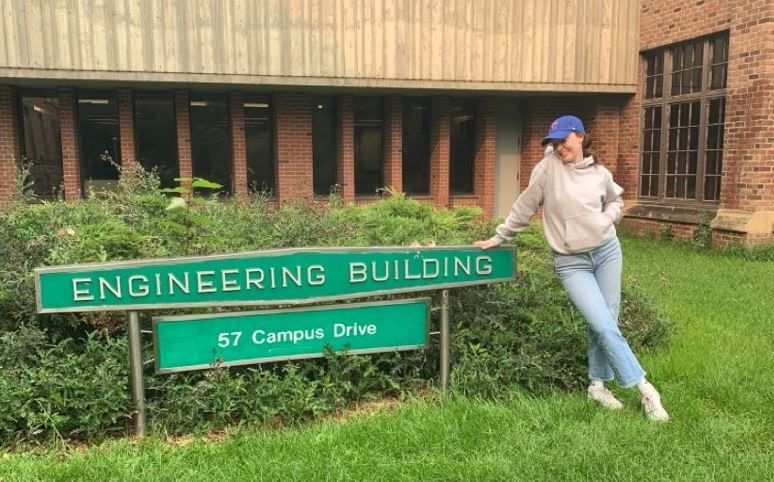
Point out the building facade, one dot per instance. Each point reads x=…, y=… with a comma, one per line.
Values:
x=446, y=101
x=704, y=101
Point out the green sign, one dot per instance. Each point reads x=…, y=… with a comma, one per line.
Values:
x=203, y=341
x=266, y=278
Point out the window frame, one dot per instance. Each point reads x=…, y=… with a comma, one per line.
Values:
x=705, y=95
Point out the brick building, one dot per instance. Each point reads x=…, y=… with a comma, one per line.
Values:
x=446, y=101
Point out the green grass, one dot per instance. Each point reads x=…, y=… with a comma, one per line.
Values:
x=716, y=378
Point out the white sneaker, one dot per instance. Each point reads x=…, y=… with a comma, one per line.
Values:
x=651, y=404
x=605, y=397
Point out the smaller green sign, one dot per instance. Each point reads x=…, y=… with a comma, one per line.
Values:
x=193, y=342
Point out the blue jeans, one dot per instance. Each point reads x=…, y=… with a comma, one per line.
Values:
x=593, y=281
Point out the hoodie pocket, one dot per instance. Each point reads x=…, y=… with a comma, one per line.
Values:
x=586, y=231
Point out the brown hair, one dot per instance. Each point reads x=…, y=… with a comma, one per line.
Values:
x=588, y=152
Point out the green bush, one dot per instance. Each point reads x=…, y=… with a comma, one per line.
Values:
x=66, y=375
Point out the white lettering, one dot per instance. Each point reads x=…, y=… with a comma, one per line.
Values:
x=465, y=267
x=116, y=290
x=202, y=285
x=483, y=265
x=315, y=279
x=286, y=273
x=229, y=284
x=407, y=269
x=357, y=269
x=355, y=329
x=175, y=281
x=426, y=272
x=138, y=291
x=82, y=294
x=255, y=282
x=259, y=337
x=384, y=277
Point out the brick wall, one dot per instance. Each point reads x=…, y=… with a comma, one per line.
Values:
x=126, y=127
x=748, y=176
x=663, y=22
x=393, y=142
x=236, y=109
x=293, y=147
x=484, y=168
x=439, y=151
x=345, y=149
x=748, y=171
x=183, y=127
x=9, y=141
x=68, y=131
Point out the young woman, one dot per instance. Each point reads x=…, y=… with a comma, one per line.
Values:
x=581, y=204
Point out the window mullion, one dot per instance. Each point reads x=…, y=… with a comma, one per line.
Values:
x=703, y=114
x=667, y=91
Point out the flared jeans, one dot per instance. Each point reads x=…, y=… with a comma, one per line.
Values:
x=593, y=282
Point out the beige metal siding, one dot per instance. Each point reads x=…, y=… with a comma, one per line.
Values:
x=580, y=45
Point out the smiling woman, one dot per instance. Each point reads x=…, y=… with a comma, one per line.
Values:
x=581, y=204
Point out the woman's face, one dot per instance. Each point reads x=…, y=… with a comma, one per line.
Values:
x=570, y=149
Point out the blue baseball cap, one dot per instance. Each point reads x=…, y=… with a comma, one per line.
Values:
x=563, y=127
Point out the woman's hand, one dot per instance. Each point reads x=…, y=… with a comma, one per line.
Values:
x=486, y=244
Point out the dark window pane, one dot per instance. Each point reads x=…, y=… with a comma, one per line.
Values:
x=368, y=110
x=369, y=144
x=712, y=162
x=324, y=144
x=719, y=50
x=716, y=111
x=156, y=134
x=416, y=146
x=41, y=143
x=693, y=144
x=98, y=136
x=659, y=88
x=718, y=77
x=258, y=142
x=211, y=140
x=369, y=159
x=463, y=146
x=712, y=188
x=690, y=188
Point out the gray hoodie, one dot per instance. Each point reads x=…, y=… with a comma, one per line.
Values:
x=581, y=204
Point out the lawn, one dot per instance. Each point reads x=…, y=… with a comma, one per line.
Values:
x=716, y=378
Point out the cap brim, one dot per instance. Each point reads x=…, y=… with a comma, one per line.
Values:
x=556, y=136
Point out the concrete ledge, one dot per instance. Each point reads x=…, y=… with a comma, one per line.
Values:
x=670, y=213
x=757, y=223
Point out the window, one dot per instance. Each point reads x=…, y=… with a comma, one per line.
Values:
x=156, y=134
x=683, y=120
x=416, y=145
x=324, y=144
x=258, y=139
x=41, y=142
x=211, y=139
x=369, y=151
x=463, y=146
x=98, y=134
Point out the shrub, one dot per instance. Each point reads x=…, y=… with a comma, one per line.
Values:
x=66, y=375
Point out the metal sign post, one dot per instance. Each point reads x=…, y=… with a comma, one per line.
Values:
x=444, y=340
x=135, y=367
